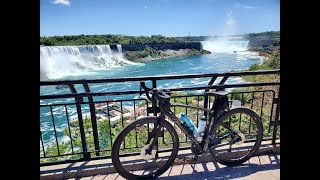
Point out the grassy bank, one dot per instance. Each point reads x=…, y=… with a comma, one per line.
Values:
x=272, y=61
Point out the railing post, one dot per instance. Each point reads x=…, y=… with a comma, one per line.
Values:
x=206, y=98
x=223, y=80
x=154, y=108
x=93, y=120
x=86, y=155
x=276, y=121
x=154, y=101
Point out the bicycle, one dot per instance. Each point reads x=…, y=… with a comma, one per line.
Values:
x=218, y=134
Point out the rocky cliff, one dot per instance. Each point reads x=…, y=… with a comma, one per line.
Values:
x=262, y=42
x=160, y=46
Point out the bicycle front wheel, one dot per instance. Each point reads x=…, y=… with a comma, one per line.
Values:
x=129, y=155
x=238, y=132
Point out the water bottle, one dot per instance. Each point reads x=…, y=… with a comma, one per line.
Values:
x=236, y=103
x=201, y=126
x=191, y=127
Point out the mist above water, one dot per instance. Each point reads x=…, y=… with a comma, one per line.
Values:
x=224, y=45
x=226, y=42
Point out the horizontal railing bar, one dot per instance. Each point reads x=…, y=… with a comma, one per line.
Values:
x=61, y=155
x=95, y=102
x=162, y=77
x=172, y=89
x=87, y=94
x=226, y=86
x=256, y=91
x=238, y=92
x=141, y=99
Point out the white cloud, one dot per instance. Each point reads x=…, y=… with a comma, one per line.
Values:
x=62, y=2
x=238, y=5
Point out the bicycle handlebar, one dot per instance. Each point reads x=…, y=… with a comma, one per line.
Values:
x=159, y=93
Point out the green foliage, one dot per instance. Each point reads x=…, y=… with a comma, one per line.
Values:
x=147, y=51
x=272, y=62
x=137, y=56
x=245, y=98
x=105, y=39
x=269, y=34
x=123, y=39
x=194, y=38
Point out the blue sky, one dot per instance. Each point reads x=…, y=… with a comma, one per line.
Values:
x=165, y=17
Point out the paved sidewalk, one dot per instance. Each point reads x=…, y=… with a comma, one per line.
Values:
x=266, y=167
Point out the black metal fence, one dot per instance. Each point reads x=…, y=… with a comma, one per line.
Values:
x=91, y=132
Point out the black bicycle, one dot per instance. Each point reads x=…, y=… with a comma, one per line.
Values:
x=231, y=135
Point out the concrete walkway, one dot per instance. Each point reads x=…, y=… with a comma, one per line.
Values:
x=265, y=167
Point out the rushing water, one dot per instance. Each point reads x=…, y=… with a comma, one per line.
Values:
x=219, y=61
x=59, y=61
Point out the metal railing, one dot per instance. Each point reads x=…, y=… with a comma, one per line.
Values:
x=95, y=123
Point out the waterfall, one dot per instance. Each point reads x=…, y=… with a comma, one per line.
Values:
x=119, y=48
x=59, y=61
x=225, y=45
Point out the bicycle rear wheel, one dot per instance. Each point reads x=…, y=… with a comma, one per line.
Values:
x=133, y=139
x=242, y=128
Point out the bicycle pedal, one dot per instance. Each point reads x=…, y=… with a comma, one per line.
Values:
x=187, y=159
x=195, y=158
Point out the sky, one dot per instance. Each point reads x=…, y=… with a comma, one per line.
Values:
x=164, y=17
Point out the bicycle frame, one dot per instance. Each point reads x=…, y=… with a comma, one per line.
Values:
x=220, y=104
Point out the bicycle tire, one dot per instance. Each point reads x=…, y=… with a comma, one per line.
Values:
x=116, y=147
x=257, y=142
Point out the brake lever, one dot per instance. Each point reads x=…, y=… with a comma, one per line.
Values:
x=167, y=91
x=146, y=89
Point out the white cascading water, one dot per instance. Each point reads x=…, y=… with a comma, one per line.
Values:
x=59, y=61
x=119, y=48
x=230, y=45
x=224, y=45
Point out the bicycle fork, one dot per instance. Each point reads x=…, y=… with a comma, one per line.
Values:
x=155, y=133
